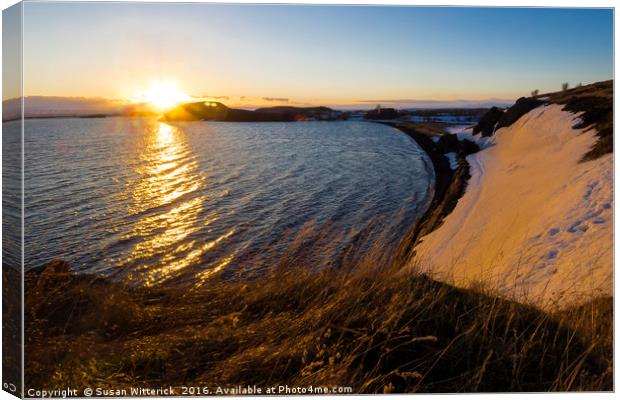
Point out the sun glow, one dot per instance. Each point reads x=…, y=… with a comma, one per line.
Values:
x=162, y=96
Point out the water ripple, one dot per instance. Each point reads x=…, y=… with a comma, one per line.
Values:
x=152, y=202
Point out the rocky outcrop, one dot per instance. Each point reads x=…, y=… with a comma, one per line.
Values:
x=486, y=125
x=521, y=107
x=495, y=118
x=449, y=143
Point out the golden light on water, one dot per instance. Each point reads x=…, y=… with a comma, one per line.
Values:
x=169, y=201
x=162, y=96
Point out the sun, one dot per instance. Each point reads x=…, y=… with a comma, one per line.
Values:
x=162, y=96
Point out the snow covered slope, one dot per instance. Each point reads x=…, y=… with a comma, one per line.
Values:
x=534, y=223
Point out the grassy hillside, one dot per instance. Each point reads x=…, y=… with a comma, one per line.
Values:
x=593, y=103
x=375, y=330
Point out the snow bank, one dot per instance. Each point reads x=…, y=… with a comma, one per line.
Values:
x=534, y=223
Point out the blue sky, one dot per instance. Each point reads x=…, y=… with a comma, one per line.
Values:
x=312, y=54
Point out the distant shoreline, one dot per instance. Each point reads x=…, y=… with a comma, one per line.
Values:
x=65, y=117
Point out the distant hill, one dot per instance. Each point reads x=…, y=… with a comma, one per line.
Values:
x=216, y=111
x=302, y=113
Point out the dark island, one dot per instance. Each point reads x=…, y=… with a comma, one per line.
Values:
x=216, y=111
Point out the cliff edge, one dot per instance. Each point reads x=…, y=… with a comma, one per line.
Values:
x=536, y=220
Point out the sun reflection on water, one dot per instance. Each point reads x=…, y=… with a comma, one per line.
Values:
x=168, y=202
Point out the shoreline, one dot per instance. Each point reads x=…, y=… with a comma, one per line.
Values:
x=449, y=186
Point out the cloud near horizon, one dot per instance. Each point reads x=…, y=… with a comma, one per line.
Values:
x=280, y=99
x=205, y=96
x=439, y=103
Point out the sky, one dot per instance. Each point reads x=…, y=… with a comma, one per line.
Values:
x=330, y=55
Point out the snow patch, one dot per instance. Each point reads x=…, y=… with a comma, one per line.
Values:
x=534, y=223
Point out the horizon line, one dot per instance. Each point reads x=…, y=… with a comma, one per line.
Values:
x=263, y=101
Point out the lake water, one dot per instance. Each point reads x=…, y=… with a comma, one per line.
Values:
x=153, y=202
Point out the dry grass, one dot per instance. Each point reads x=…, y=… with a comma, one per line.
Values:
x=372, y=328
x=11, y=324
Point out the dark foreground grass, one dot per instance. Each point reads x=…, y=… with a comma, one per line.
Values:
x=373, y=329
